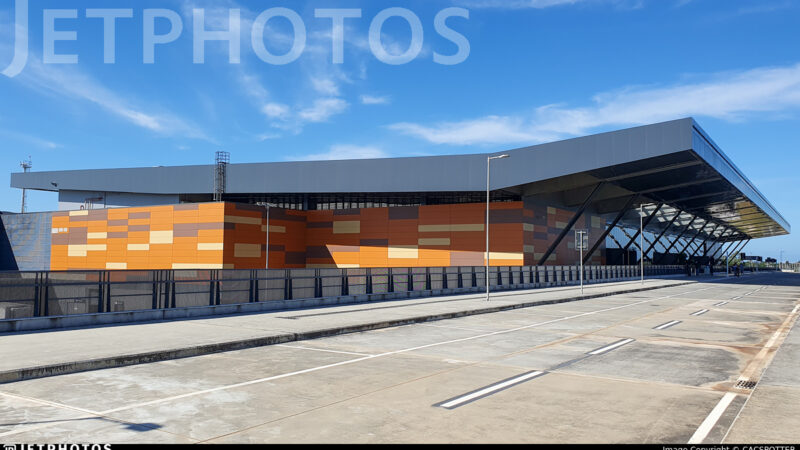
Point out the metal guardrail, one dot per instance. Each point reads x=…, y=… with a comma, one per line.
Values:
x=43, y=294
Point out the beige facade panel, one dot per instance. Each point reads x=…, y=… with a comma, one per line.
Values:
x=247, y=250
x=434, y=241
x=161, y=237
x=403, y=252
x=210, y=246
x=244, y=220
x=347, y=227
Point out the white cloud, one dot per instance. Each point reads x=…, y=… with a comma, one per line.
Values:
x=33, y=140
x=323, y=109
x=518, y=4
x=71, y=82
x=542, y=4
x=325, y=86
x=728, y=96
x=275, y=110
x=338, y=152
x=373, y=100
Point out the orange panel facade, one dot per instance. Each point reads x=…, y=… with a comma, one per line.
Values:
x=231, y=235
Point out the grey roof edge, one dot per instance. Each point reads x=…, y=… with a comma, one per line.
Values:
x=464, y=172
x=754, y=195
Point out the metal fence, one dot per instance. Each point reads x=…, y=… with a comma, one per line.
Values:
x=41, y=294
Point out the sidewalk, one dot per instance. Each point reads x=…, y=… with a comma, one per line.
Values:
x=26, y=355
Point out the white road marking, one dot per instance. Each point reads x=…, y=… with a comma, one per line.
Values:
x=664, y=326
x=711, y=419
x=610, y=347
x=699, y=313
x=451, y=328
x=493, y=388
x=352, y=361
x=322, y=350
x=721, y=304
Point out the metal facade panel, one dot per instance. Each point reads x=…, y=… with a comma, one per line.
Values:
x=420, y=174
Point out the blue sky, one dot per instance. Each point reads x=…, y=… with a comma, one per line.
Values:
x=537, y=71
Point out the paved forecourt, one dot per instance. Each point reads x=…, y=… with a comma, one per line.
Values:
x=31, y=354
x=675, y=365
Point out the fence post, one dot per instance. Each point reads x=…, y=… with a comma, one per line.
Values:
x=218, y=284
x=100, y=276
x=211, y=288
x=108, y=291
x=172, y=290
x=369, y=282
x=428, y=286
x=345, y=283
x=47, y=294
x=154, y=276
x=460, y=278
x=37, y=292
x=287, y=285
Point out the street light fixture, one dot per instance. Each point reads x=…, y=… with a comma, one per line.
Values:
x=488, y=165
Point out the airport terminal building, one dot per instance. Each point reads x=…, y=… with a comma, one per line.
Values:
x=669, y=178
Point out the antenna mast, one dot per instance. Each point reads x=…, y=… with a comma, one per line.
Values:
x=26, y=167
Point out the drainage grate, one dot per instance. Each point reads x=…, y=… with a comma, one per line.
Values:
x=746, y=384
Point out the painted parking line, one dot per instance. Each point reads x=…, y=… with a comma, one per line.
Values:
x=721, y=304
x=610, y=347
x=298, y=347
x=699, y=313
x=712, y=419
x=508, y=383
x=664, y=326
x=462, y=400
x=353, y=361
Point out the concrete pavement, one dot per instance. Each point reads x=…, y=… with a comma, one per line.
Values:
x=25, y=355
x=602, y=370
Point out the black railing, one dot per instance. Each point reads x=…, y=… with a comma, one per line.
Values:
x=42, y=294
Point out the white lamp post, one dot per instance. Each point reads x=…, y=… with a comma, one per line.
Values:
x=641, y=241
x=488, y=165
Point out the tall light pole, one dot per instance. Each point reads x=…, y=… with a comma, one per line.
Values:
x=641, y=241
x=488, y=165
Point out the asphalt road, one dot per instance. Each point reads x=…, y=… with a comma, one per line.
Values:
x=673, y=365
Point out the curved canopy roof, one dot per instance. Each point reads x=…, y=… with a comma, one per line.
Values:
x=674, y=164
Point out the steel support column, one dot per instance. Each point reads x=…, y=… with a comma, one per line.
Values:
x=571, y=223
x=685, y=229
x=662, y=233
x=705, y=252
x=645, y=224
x=739, y=249
x=724, y=246
x=703, y=227
x=694, y=253
x=614, y=223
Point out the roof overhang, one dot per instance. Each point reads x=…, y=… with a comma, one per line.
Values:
x=674, y=163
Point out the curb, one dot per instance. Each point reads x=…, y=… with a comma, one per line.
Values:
x=27, y=373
